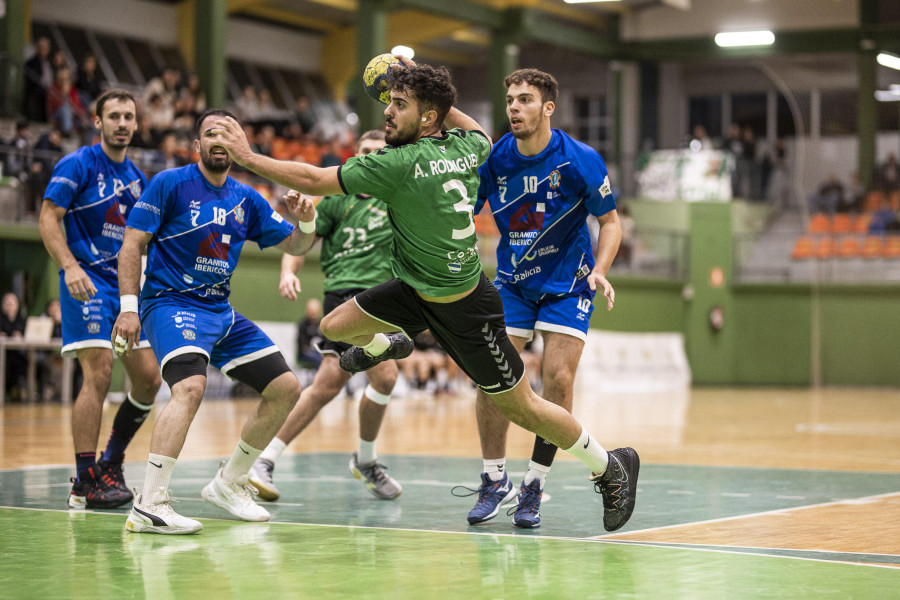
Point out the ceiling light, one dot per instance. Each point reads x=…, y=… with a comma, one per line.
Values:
x=888, y=60
x=731, y=39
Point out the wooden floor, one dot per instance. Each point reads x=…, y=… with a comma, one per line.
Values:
x=796, y=473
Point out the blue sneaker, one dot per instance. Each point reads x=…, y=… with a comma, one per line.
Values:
x=528, y=505
x=491, y=495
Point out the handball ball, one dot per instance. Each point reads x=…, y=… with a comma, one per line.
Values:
x=377, y=77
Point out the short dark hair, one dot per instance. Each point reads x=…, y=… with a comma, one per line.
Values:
x=431, y=86
x=217, y=112
x=542, y=81
x=372, y=134
x=113, y=94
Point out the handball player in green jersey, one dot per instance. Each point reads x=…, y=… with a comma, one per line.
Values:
x=428, y=178
x=356, y=255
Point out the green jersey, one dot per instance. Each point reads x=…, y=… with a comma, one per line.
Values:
x=356, y=241
x=430, y=188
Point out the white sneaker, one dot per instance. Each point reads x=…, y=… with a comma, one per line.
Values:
x=261, y=479
x=156, y=516
x=234, y=496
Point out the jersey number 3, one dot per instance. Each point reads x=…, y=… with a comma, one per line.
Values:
x=463, y=206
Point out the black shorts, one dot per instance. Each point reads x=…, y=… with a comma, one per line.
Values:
x=330, y=302
x=471, y=330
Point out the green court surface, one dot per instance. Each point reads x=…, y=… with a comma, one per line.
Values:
x=329, y=538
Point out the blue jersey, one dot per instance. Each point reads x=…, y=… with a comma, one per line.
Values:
x=97, y=194
x=199, y=230
x=541, y=205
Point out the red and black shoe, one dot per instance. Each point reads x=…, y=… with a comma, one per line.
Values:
x=95, y=488
x=113, y=468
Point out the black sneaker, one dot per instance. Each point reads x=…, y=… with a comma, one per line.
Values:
x=618, y=486
x=96, y=489
x=356, y=359
x=113, y=468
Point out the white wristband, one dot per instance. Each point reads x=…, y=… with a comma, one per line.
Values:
x=308, y=226
x=128, y=303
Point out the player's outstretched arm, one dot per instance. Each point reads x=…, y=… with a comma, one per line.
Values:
x=126, y=331
x=299, y=176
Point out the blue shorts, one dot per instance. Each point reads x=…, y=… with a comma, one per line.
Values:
x=227, y=339
x=89, y=324
x=524, y=312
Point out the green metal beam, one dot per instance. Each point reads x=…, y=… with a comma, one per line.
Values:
x=371, y=40
x=210, y=17
x=605, y=45
x=461, y=10
x=12, y=34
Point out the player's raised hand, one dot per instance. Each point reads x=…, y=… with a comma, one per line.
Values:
x=233, y=139
x=596, y=280
x=406, y=62
x=299, y=206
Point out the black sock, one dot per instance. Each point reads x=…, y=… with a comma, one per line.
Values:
x=544, y=452
x=84, y=461
x=128, y=420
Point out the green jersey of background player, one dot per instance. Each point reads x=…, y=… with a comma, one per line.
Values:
x=446, y=294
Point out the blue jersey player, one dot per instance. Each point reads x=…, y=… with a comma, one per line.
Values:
x=541, y=187
x=91, y=193
x=194, y=221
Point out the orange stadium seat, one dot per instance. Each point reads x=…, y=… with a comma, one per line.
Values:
x=861, y=225
x=803, y=248
x=841, y=223
x=849, y=247
x=891, y=247
x=872, y=247
x=819, y=223
x=825, y=248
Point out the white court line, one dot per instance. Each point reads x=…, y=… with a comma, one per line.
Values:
x=748, y=515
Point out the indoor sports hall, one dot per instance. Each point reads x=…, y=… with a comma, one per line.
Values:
x=750, y=358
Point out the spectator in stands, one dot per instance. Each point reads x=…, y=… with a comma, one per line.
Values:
x=308, y=334
x=191, y=102
x=166, y=86
x=90, y=80
x=159, y=116
x=310, y=152
x=12, y=325
x=64, y=107
x=166, y=156
x=247, y=106
x=59, y=60
x=19, y=158
x=855, y=196
x=332, y=155
x=735, y=146
x=752, y=172
x=700, y=139
x=47, y=151
x=830, y=196
x=287, y=145
x=779, y=183
x=885, y=219
x=265, y=139
x=889, y=174
x=38, y=79
x=49, y=364
x=304, y=115
x=143, y=137
x=267, y=109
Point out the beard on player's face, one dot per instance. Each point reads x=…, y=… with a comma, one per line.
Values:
x=214, y=160
x=397, y=134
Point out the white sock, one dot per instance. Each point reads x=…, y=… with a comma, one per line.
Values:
x=240, y=462
x=273, y=450
x=378, y=346
x=159, y=472
x=536, y=471
x=495, y=468
x=590, y=452
x=366, y=452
